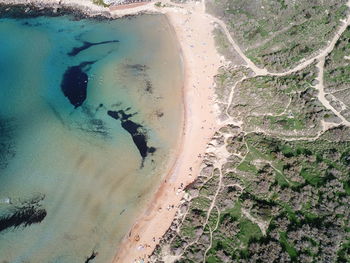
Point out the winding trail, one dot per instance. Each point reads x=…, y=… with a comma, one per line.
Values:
x=320, y=58
x=321, y=94
x=262, y=71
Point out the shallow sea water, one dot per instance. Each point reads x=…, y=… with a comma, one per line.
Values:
x=90, y=117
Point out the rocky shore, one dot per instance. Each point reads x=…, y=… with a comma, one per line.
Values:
x=78, y=9
x=124, y=2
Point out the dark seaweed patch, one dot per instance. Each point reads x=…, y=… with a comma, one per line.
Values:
x=28, y=213
x=7, y=147
x=25, y=216
x=137, y=132
x=74, y=83
x=95, y=127
x=75, y=51
x=141, y=70
x=137, y=68
x=92, y=257
x=92, y=124
x=26, y=23
x=149, y=87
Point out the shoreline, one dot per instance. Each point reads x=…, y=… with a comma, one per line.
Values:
x=193, y=32
x=200, y=66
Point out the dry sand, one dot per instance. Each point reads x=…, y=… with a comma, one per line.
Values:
x=201, y=60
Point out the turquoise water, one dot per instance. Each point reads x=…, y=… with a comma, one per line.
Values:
x=90, y=115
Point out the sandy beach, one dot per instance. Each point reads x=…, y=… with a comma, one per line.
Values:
x=193, y=29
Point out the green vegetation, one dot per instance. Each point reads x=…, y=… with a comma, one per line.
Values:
x=224, y=46
x=275, y=203
x=247, y=231
x=225, y=79
x=285, y=106
x=298, y=189
x=337, y=75
x=100, y=2
x=283, y=192
x=287, y=247
x=158, y=4
x=279, y=34
x=222, y=43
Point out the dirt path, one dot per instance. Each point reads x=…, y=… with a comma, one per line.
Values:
x=302, y=65
x=250, y=64
x=320, y=58
x=321, y=94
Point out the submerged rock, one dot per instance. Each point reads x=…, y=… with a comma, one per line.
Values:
x=137, y=132
x=75, y=51
x=27, y=213
x=74, y=83
x=92, y=257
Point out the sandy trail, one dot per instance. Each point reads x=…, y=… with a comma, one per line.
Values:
x=322, y=95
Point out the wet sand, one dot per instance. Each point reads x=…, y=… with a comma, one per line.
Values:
x=193, y=30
